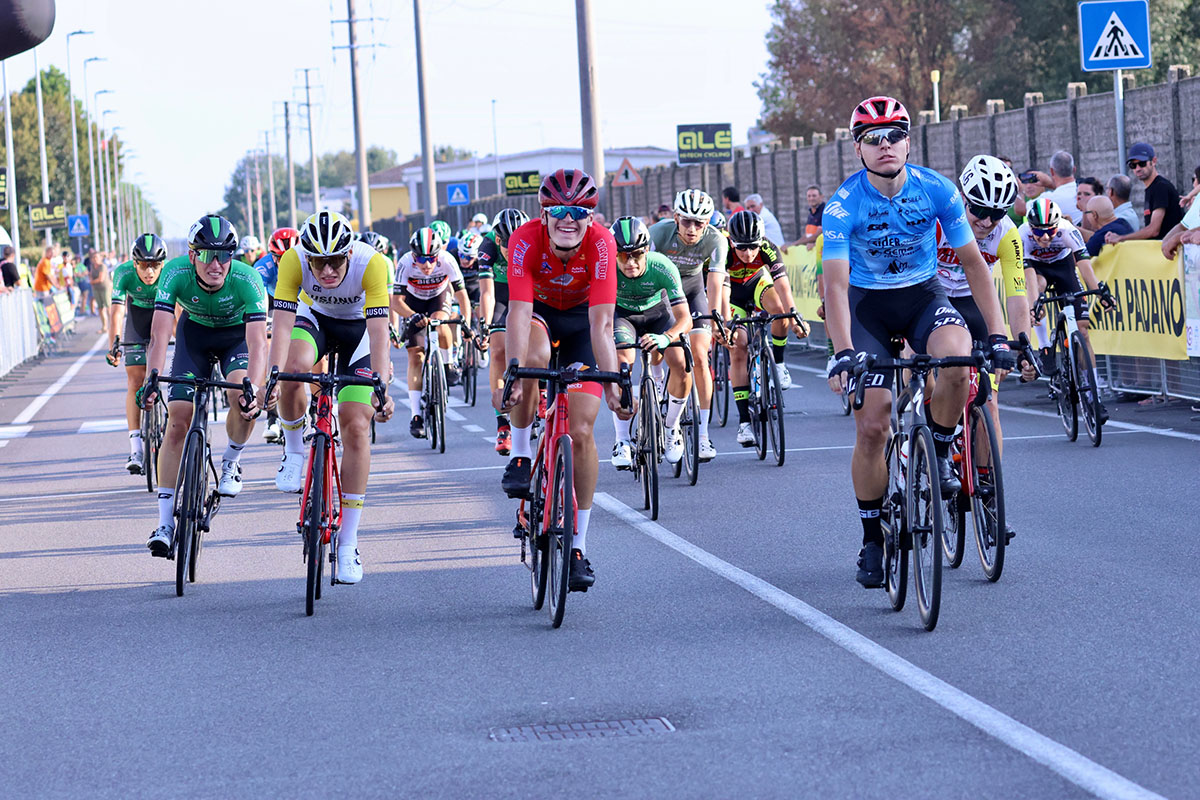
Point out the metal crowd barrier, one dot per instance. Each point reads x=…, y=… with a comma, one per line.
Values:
x=19, y=338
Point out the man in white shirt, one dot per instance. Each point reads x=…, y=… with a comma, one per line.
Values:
x=774, y=232
x=1118, y=190
x=1061, y=185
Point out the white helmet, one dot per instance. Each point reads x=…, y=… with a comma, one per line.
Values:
x=988, y=182
x=326, y=233
x=481, y=218
x=250, y=243
x=693, y=204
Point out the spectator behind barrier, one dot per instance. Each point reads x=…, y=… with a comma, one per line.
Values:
x=731, y=200
x=1185, y=202
x=10, y=276
x=45, y=279
x=1060, y=183
x=1119, y=189
x=771, y=227
x=812, y=226
x=1085, y=190
x=1099, y=217
x=1188, y=229
x=1162, y=212
x=663, y=212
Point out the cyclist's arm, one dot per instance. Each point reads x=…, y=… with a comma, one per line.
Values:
x=376, y=308
x=377, y=336
x=683, y=320
x=520, y=299
x=464, y=302
x=163, y=324
x=256, y=343
x=487, y=298
x=287, y=301
x=837, y=303
x=1087, y=273
x=602, y=301
x=1016, y=300
x=979, y=278
x=114, y=325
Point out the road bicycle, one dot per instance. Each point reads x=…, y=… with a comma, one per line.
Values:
x=434, y=389
x=913, y=510
x=321, y=499
x=195, y=503
x=546, y=516
x=689, y=420
x=1073, y=375
x=650, y=438
x=766, y=396
x=471, y=355
x=718, y=366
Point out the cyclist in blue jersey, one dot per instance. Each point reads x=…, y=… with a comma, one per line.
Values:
x=881, y=282
x=282, y=240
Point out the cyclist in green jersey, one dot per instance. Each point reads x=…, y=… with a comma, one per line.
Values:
x=224, y=322
x=135, y=284
x=693, y=244
x=493, y=305
x=652, y=310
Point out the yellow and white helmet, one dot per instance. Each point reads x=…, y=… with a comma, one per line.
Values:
x=326, y=233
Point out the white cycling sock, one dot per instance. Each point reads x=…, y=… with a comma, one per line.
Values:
x=657, y=371
x=166, y=507
x=704, y=423
x=352, y=507
x=674, y=410
x=445, y=355
x=233, y=451
x=582, y=517
x=622, y=427
x=1042, y=334
x=293, y=435
x=135, y=442
x=414, y=400
x=520, y=442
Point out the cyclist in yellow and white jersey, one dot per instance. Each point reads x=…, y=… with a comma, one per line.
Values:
x=332, y=296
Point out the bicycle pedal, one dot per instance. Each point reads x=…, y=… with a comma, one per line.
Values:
x=518, y=532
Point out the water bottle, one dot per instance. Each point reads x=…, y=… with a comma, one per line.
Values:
x=903, y=463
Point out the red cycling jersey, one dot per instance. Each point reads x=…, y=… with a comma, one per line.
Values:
x=536, y=273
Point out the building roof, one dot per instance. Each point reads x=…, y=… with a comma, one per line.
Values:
x=391, y=175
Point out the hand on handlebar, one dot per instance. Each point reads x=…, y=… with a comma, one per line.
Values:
x=652, y=342
x=799, y=327
x=612, y=396
x=1107, y=301
x=839, y=367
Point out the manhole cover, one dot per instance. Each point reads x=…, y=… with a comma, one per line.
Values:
x=606, y=729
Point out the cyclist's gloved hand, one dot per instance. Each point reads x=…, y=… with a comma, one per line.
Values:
x=659, y=340
x=841, y=362
x=1106, y=299
x=111, y=358
x=1002, y=356
x=139, y=397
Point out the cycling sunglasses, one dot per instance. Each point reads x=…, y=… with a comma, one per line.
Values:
x=1043, y=231
x=574, y=212
x=878, y=136
x=749, y=246
x=206, y=256
x=424, y=259
x=983, y=212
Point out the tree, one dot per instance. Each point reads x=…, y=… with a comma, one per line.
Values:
x=446, y=153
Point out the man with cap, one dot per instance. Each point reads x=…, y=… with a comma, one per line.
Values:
x=479, y=224
x=1162, y=211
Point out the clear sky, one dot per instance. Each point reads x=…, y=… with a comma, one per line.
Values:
x=197, y=85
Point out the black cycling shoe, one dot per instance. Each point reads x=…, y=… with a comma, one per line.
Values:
x=582, y=575
x=1048, y=367
x=516, y=478
x=948, y=478
x=453, y=375
x=1102, y=417
x=870, y=566
x=417, y=427
x=1009, y=533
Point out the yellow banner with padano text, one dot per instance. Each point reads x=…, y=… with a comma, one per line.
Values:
x=1150, y=317
x=802, y=270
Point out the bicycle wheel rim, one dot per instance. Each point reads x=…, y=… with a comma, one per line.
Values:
x=775, y=417
x=562, y=535
x=1089, y=393
x=925, y=524
x=313, y=535
x=954, y=530
x=988, y=501
x=1065, y=388
x=691, y=437
x=895, y=555
x=539, y=560
x=188, y=512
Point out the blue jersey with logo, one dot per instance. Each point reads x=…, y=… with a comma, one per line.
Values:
x=269, y=270
x=892, y=242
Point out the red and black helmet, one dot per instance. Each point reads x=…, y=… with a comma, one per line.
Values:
x=569, y=187
x=282, y=240
x=878, y=112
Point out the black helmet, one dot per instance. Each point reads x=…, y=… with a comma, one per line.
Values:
x=746, y=228
x=376, y=240
x=631, y=234
x=148, y=247
x=506, y=222
x=213, y=232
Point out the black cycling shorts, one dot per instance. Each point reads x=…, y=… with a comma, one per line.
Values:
x=135, y=336
x=746, y=298
x=1061, y=279
x=697, y=299
x=911, y=313
x=500, y=310
x=198, y=347
x=570, y=332
x=630, y=326
x=347, y=338
x=414, y=337
x=974, y=319
x=472, y=287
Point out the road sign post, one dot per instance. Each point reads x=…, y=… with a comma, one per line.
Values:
x=1115, y=34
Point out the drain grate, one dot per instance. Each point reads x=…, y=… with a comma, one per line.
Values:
x=606, y=729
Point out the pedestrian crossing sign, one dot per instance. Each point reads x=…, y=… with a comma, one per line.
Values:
x=1114, y=34
x=458, y=194
x=77, y=226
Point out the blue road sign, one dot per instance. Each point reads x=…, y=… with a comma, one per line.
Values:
x=458, y=194
x=1114, y=34
x=77, y=226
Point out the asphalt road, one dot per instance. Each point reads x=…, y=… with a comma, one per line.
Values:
x=736, y=619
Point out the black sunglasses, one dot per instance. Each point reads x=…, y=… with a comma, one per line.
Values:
x=983, y=212
x=1133, y=162
x=754, y=246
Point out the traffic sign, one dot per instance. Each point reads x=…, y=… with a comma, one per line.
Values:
x=47, y=215
x=77, y=226
x=458, y=194
x=626, y=175
x=1114, y=34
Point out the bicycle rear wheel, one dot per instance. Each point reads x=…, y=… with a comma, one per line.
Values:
x=1089, y=394
x=1064, y=391
x=536, y=537
x=720, y=398
x=774, y=415
x=470, y=373
x=895, y=546
x=187, y=506
x=758, y=407
x=987, y=506
x=561, y=535
x=925, y=509
x=152, y=431
x=954, y=532
x=690, y=425
x=313, y=511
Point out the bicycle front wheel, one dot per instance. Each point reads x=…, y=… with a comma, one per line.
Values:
x=987, y=504
x=720, y=398
x=691, y=436
x=313, y=511
x=561, y=534
x=895, y=544
x=188, y=506
x=774, y=412
x=538, y=560
x=1064, y=391
x=758, y=407
x=1089, y=393
x=925, y=509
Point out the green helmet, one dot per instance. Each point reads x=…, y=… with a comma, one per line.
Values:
x=631, y=234
x=442, y=228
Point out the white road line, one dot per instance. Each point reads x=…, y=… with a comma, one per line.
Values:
x=14, y=431
x=103, y=425
x=43, y=398
x=1073, y=766
x=475, y=429
x=451, y=414
x=1035, y=412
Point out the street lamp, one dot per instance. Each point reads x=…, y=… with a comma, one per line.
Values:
x=74, y=135
x=122, y=231
x=91, y=153
x=106, y=182
x=101, y=164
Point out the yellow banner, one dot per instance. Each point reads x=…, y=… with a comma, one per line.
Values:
x=1150, y=316
x=802, y=265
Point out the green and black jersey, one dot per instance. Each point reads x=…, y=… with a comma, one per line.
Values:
x=242, y=298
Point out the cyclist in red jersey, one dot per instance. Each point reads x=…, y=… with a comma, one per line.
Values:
x=562, y=287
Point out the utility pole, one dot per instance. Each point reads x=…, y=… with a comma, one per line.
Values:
x=122, y=234
x=102, y=210
x=270, y=184
x=74, y=134
x=249, y=203
x=360, y=152
x=312, y=147
x=287, y=134
x=496, y=150
x=91, y=155
x=593, y=151
x=13, y=215
x=105, y=182
x=430, y=201
x=258, y=196
x=37, y=82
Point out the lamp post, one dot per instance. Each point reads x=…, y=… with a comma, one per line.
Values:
x=11, y=199
x=106, y=156
x=37, y=83
x=91, y=153
x=102, y=182
x=122, y=229
x=74, y=134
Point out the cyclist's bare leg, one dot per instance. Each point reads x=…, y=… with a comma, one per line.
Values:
x=179, y=419
x=953, y=384
x=872, y=427
x=498, y=363
x=584, y=408
x=701, y=344
x=416, y=363
x=237, y=427
x=354, y=423
x=300, y=357
x=739, y=374
x=536, y=356
x=679, y=382
x=135, y=376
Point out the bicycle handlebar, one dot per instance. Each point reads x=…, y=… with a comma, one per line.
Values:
x=1024, y=350
x=919, y=363
x=247, y=389
x=565, y=376
x=1103, y=290
x=327, y=382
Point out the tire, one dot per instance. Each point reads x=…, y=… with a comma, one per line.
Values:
x=430, y=385
x=1089, y=394
x=758, y=407
x=690, y=425
x=774, y=413
x=152, y=432
x=313, y=511
x=954, y=531
x=187, y=510
x=1065, y=390
x=561, y=536
x=987, y=504
x=721, y=390
x=538, y=561
x=650, y=445
x=895, y=549
x=925, y=521
x=470, y=376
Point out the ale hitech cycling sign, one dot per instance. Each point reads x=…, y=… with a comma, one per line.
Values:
x=704, y=144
